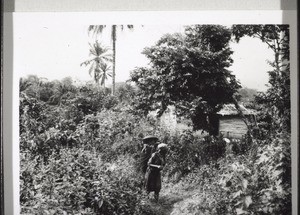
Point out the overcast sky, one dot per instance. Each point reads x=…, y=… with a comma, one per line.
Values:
x=55, y=51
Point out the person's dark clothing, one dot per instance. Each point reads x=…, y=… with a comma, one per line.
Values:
x=153, y=175
x=147, y=151
x=145, y=156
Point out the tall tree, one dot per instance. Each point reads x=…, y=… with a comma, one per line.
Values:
x=98, y=29
x=99, y=57
x=277, y=97
x=189, y=71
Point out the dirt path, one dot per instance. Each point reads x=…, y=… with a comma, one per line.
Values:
x=171, y=199
x=166, y=204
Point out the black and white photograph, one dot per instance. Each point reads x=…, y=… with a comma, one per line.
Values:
x=153, y=118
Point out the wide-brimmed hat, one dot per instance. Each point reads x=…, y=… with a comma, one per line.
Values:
x=149, y=138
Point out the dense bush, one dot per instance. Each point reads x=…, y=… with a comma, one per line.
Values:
x=78, y=180
x=188, y=152
x=81, y=156
x=240, y=185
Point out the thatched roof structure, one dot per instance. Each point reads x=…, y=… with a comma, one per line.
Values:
x=230, y=110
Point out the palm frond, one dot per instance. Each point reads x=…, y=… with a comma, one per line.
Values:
x=104, y=67
x=93, y=52
x=97, y=49
x=91, y=70
x=131, y=27
x=107, y=57
x=96, y=29
x=85, y=63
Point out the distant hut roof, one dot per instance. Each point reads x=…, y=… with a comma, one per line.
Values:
x=229, y=110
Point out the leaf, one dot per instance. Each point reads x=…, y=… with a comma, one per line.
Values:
x=245, y=184
x=248, y=201
x=46, y=212
x=100, y=203
x=277, y=173
x=263, y=158
x=240, y=211
x=237, y=194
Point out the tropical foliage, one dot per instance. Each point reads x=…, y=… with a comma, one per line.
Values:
x=98, y=63
x=98, y=30
x=80, y=146
x=276, y=100
x=189, y=71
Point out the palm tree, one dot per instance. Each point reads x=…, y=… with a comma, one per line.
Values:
x=98, y=29
x=100, y=56
x=104, y=73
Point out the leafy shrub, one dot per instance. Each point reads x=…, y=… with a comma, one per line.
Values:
x=110, y=101
x=30, y=111
x=274, y=176
x=238, y=184
x=240, y=146
x=187, y=152
x=125, y=92
x=82, y=156
x=75, y=180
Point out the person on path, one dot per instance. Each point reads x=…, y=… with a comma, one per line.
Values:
x=153, y=174
x=149, y=147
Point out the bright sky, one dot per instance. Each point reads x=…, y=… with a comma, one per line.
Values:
x=55, y=51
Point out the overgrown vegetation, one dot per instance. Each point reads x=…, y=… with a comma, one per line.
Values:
x=79, y=150
x=189, y=71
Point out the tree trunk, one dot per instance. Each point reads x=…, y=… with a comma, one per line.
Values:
x=114, y=38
